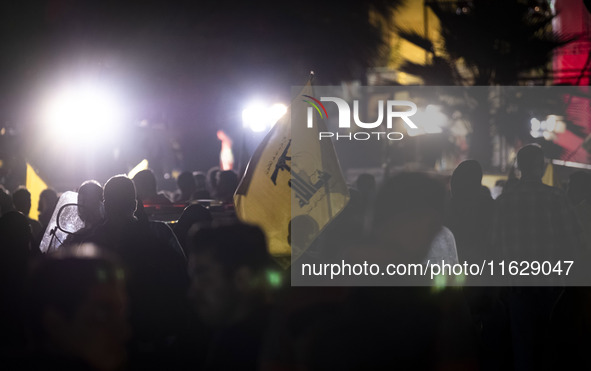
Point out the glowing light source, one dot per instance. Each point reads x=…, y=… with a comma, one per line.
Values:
x=439, y=283
x=259, y=117
x=82, y=112
x=274, y=278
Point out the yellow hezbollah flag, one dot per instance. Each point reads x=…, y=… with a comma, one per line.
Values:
x=293, y=185
x=35, y=185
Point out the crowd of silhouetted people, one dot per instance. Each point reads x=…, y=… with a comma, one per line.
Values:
x=127, y=292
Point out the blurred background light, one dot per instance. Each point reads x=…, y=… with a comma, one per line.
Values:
x=547, y=128
x=260, y=117
x=429, y=120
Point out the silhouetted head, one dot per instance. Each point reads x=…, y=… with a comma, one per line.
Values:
x=6, y=204
x=466, y=178
x=76, y=307
x=227, y=184
x=90, y=202
x=186, y=183
x=530, y=160
x=21, y=198
x=200, y=180
x=212, y=177
x=145, y=184
x=579, y=187
x=409, y=212
x=120, y=198
x=301, y=232
x=47, y=201
x=193, y=214
x=227, y=267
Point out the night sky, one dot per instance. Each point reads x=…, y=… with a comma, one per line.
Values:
x=189, y=65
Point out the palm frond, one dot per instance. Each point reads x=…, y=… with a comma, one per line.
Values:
x=415, y=38
x=432, y=74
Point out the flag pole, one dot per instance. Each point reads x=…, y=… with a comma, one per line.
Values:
x=326, y=185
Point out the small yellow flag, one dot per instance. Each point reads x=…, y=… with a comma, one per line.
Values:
x=35, y=185
x=548, y=178
x=293, y=186
x=143, y=165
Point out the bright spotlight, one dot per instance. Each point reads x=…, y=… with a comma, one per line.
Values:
x=277, y=111
x=260, y=117
x=83, y=112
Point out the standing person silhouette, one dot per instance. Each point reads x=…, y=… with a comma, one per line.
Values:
x=533, y=221
x=21, y=198
x=158, y=277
